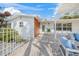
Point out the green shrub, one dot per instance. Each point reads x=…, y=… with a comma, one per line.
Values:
x=9, y=35
x=48, y=30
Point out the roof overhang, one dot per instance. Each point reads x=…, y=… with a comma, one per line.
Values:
x=67, y=7
x=60, y=21
x=13, y=17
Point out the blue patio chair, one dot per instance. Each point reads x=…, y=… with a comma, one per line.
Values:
x=68, y=48
x=76, y=39
x=76, y=36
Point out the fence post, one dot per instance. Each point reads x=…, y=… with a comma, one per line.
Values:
x=3, y=41
x=6, y=40
x=10, y=40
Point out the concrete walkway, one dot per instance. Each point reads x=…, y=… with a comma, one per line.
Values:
x=19, y=51
x=44, y=45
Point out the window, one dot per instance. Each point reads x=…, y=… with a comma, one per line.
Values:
x=69, y=26
x=21, y=24
x=66, y=26
x=58, y=26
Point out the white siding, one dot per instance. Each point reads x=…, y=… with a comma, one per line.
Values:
x=50, y=25
x=75, y=26
x=27, y=30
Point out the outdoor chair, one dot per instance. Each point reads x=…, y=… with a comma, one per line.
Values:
x=76, y=35
x=76, y=38
x=68, y=48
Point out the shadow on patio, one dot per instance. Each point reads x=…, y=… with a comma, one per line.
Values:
x=28, y=50
x=46, y=46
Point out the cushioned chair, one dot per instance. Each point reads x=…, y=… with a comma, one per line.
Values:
x=76, y=39
x=76, y=36
x=68, y=47
x=67, y=43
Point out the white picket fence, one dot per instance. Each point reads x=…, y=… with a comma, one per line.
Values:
x=9, y=41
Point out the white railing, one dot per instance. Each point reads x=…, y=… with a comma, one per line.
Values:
x=9, y=41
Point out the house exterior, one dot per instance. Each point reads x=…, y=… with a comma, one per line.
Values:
x=68, y=25
x=46, y=26
x=23, y=24
x=59, y=26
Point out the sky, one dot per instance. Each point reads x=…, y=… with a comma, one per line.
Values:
x=44, y=10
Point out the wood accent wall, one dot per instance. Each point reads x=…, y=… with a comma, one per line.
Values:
x=36, y=26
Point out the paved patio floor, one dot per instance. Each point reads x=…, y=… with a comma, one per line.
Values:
x=42, y=46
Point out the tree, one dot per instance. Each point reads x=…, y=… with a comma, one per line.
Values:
x=48, y=30
x=6, y=13
x=3, y=23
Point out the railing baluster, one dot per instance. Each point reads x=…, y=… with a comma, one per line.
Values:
x=10, y=40
x=3, y=41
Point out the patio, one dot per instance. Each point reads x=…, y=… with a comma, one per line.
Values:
x=46, y=45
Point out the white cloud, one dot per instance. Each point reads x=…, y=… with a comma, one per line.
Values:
x=56, y=11
x=12, y=10
x=19, y=6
